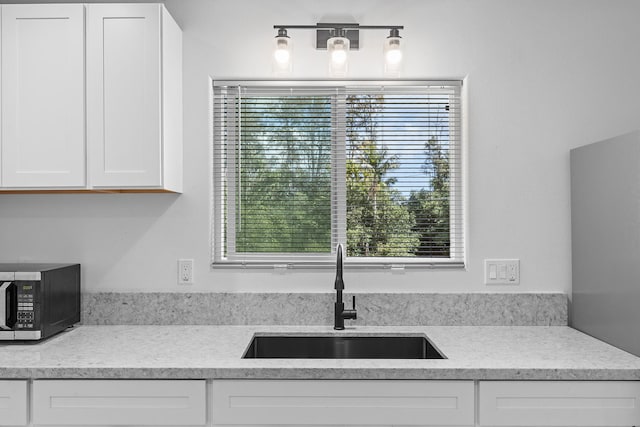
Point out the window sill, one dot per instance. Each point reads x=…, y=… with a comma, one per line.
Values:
x=351, y=265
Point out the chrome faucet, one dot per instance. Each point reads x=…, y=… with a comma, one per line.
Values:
x=340, y=312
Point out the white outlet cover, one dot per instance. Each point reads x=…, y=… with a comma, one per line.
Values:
x=185, y=271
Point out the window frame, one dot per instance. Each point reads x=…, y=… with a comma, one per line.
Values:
x=457, y=258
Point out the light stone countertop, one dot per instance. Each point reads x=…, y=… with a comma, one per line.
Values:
x=187, y=352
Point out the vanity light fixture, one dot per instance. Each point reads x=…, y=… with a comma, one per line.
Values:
x=338, y=39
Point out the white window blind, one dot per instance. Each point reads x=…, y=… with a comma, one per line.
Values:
x=301, y=166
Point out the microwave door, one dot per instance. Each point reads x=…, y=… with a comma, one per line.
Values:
x=8, y=305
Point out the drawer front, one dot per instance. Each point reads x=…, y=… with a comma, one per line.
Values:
x=13, y=403
x=119, y=402
x=559, y=403
x=331, y=402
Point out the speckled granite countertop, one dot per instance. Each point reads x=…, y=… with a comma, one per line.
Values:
x=473, y=352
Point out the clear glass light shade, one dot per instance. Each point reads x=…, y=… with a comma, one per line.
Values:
x=282, y=55
x=338, y=48
x=392, y=56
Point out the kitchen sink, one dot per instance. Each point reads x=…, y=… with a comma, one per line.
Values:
x=341, y=347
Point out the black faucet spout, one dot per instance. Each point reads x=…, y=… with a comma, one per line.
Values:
x=339, y=284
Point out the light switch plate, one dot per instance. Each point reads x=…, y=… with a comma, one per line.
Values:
x=501, y=271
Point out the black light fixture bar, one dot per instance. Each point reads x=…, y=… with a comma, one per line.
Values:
x=343, y=25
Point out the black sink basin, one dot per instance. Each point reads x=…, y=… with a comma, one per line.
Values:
x=341, y=347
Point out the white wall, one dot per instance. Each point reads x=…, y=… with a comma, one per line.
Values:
x=542, y=77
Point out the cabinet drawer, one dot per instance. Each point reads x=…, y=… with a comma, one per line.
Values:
x=328, y=402
x=119, y=402
x=559, y=403
x=13, y=403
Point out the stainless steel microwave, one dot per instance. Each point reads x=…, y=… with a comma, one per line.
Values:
x=38, y=300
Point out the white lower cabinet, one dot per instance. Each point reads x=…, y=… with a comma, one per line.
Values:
x=559, y=403
x=343, y=402
x=119, y=402
x=13, y=403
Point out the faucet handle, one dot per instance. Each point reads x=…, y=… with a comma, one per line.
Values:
x=351, y=314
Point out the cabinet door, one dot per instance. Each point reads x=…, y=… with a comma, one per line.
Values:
x=43, y=96
x=1, y=173
x=348, y=402
x=13, y=403
x=559, y=403
x=123, y=95
x=119, y=402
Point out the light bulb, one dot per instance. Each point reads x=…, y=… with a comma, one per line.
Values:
x=281, y=54
x=393, y=56
x=339, y=56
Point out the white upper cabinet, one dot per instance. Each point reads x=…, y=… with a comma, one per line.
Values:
x=90, y=97
x=42, y=90
x=134, y=97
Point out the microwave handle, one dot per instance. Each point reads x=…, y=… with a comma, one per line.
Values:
x=5, y=305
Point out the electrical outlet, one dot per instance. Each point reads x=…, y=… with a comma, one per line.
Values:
x=185, y=272
x=501, y=271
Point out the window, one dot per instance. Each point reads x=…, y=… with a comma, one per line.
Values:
x=301, y=166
